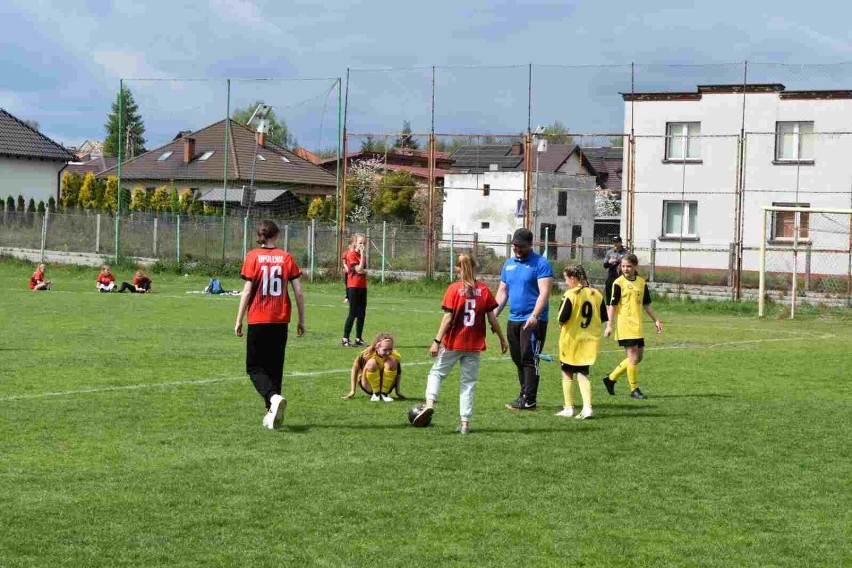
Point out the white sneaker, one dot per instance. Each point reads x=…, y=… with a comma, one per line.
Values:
x=586, y=413
x=386, y=398
x=277, y=406
x=566, y=412
x=267, y=420
x=375, y=398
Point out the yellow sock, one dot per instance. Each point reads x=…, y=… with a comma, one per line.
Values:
x=633, y=376
x=374, y=378
x=586, y=392
x=388, y=380
x=568, y=391
x=613, y=376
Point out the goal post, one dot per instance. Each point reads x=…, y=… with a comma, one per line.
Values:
x=809, y=246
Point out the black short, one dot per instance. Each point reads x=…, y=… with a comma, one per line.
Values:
x=571, y=369
x=632, y=342
x=265, y=347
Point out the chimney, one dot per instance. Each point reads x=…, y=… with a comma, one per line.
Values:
x=260, y=138
x=517, y=149
x=188, y=149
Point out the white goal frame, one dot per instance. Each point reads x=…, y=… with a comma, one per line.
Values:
x=793, y=247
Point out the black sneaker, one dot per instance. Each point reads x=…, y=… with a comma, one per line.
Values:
x=346, y=343
x=637, y=394
x=610, y=385
x=517, y=404
x=529, y=405
x=359, y=343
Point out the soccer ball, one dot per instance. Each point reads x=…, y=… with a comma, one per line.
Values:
x=419, y=416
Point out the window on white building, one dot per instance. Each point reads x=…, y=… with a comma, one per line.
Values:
x=680, y=219
x=794, y=141
x=784, y=223
x=682, y=141
x=486, y=190
x=485, y=225
x=562, y=204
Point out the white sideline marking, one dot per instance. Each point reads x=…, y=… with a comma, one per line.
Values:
x=335, y=371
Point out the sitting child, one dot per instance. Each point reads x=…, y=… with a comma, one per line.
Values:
x=106, y=280
x=141, y=284
x=37, y=280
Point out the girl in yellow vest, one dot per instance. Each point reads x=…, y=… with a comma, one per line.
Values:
x=630, y=297
x=377, y=370
x=581, y=318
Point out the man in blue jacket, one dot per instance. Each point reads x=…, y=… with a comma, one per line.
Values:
x=525, y=283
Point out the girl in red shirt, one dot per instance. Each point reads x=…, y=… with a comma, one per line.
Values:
x=106, y=280
x=37, y=280
x=141, y=284
x=268, y=271
x=461, y=338
x=356, y=291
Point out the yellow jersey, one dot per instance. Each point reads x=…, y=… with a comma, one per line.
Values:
x=629, y=298
x=581, y=315
x=361, y=360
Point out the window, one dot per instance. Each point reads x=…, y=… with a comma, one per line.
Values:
x=682, y=142
x=485, y=225
x=547, y=234
x=680, y=219
x=206, y=155
x=562, y=204
x=261, y=158
x=285, y=160
x=794, y=142
x=165, y=156
x=486, y=190
x=784, y=223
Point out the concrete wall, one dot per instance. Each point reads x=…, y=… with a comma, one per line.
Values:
x=37, y=179
x=712, y=181
x=580, y=210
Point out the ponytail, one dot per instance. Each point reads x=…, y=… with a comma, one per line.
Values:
x=577, y=271
x=467, y=270
x=266, y=232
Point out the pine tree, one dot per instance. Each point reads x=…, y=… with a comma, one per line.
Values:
x=185, y=199
x=31, y=207
x=110, y=201
x=87, y=199
x=139, y=199
x=406, y=140
x=22, y=205
x=10, y=204
x=51, y=204
x=40, y=207
x=132, y=139
x=160, y=200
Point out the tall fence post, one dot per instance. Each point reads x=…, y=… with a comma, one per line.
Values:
x=98, y=232
x=177, y=240
x=313, y=250
x=155, y=237
x=393, y=242
x=245, y=235
x=287, y=237
x=808, y=267
x=367, y=252
x=732, y=263
x=652, y=266
x=452, y=250
x=44, y=220
x=384, y=247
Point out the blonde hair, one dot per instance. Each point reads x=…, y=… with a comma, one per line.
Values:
x=467, y=268
x=139, y=274
x=105, y=267
x=371, y=350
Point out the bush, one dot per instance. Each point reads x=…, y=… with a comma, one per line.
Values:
x=51, y=204
x=10, y=204
x=22, y=205
x=139, y=199
x=31, y=206
x=40, y=207
x=70, y=192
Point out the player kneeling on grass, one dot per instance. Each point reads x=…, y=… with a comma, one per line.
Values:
x=106, y=280
x=38, y=281
x=267, y=271
x=377, y=370
x=629, y=297
x=581, y=316
x=461, y=338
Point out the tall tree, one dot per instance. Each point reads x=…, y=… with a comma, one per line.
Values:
x=372, y=146
x=394, y=197
x=406, y=140
x=70, y=192
x=132, y=139
x=557, y=133
x=278, y=132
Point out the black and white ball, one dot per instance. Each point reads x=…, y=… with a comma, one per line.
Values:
x=420, y=416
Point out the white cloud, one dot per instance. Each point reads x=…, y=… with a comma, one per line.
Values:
x=245, y=13
x=125, y=63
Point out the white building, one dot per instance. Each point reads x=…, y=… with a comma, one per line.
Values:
x=30, y=162
x=484, y=194
x=687, y=162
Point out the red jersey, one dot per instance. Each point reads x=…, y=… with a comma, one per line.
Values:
x=139, y=281
x=467, y=331
x=38, y=276
x=106, y=278
x=352, y=259
x=269, y=270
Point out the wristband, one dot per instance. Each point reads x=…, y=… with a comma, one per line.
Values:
x=438, y=341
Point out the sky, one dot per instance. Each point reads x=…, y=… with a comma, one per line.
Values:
x=62, y=61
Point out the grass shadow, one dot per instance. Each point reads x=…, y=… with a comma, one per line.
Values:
x=628, y=406
x=304, y=428
x=696, y=395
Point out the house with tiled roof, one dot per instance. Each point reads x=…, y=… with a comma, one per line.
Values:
x=197, y=161
x=30, y=162
x=411, y=160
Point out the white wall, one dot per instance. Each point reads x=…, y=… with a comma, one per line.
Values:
x=465, y=208
x=712, y=183
x=37, y=179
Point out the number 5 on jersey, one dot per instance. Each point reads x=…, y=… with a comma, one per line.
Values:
x=469, y=312
x=272, y=283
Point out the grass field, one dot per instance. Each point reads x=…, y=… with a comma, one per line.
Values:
x=130, y=436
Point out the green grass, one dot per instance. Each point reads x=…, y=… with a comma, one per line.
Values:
x=129, y=436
